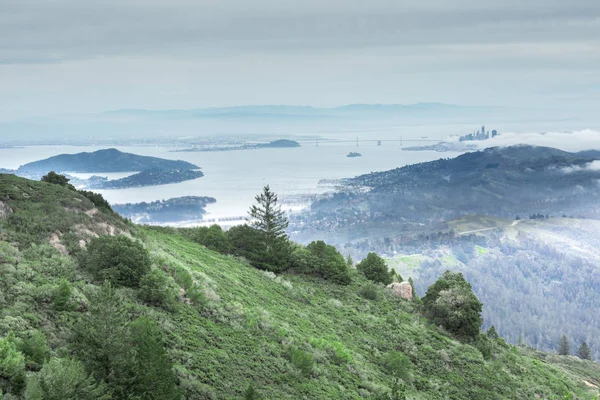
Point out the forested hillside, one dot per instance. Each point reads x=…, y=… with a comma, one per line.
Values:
x=500, y=181
x=538, y=278
x=94, y=307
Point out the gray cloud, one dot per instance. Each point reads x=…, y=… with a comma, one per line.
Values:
x=84, y=56
x=42, y=30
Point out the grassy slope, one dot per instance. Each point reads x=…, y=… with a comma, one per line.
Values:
x=249, y=320
x=257, y=318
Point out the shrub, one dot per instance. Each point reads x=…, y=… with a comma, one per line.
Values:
x=57, y=179
x=156, y=290
x=64, y=379
x=12, y=366
x=33, y=345
x=302, y=360
x=96, y=199
x=322, y=260
x=374, y=268
x=61, y=296
x=369, y=291
x=117, y=259
x=485, y=346
x=450, y=302
x=212, y=238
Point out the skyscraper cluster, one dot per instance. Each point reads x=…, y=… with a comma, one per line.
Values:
x=479, y=135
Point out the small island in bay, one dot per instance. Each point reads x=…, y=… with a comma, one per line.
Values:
x=353, y=154
x=146, y=171
x=177, y=209
x=153, y=177
x=275, y=144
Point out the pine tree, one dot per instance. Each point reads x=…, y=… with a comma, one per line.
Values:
x=491, y=333
x=270, y=221
x=564, y=348
x=155, y=378
x=584, y=352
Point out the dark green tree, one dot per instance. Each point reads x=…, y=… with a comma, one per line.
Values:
x=451, y=303
x=154, y=373
x=267, y=218
x=584, y=352
x=64, y=379
x=97, y=199
x=117, y=259
x=491, y=333
x=325, y=261
x=251, y=393
x=245, y=242
x=564, y=349
x=61, y=296
x=374, y=268
x=57, y=179
x=101, y=340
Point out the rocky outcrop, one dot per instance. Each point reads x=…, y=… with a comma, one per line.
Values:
x=401, y=289
x=5, y=210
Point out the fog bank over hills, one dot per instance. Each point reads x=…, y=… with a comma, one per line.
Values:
x=272, y=120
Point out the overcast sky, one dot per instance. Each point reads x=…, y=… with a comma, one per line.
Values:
x=72, y=56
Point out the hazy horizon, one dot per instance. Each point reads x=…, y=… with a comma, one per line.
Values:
x=73, y=58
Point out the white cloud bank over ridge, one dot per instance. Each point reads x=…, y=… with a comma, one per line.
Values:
x=591, y=166
x=569, y=141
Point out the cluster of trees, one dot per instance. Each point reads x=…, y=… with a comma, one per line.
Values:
x=564, y=349
x=519, y=281
x=61, y=180
x=112, y=352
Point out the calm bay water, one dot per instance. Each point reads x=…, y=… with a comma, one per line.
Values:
x=235, y=177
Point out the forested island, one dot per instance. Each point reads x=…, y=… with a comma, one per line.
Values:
x=153, y=177
x=107, y=160
x=150, y=171
x=353, y=154
x=177, y=209
x=276, y=144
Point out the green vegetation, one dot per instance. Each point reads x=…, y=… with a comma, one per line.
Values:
x=451, y=303
x=117, y=259
x=564, y=349
x=584, y=352
x=205, y=325
x=374, y=268
x=270, y=224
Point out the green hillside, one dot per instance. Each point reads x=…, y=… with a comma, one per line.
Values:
x=227, y=326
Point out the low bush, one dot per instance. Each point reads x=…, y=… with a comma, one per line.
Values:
x=117, y=259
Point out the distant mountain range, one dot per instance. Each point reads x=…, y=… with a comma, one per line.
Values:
x=352, y=111
x=257, y=121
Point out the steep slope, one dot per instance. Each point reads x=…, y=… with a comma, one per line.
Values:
x=291, y=336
